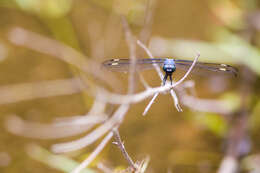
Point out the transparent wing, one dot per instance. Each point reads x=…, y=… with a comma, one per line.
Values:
x=205, y=68
x=123, y=64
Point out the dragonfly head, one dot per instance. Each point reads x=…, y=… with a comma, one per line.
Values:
x=169, y=66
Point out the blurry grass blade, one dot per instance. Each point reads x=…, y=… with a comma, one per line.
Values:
x=93, y=135
x=42, y=89
x=184, y=49
x=58, y=162
x=16, y=125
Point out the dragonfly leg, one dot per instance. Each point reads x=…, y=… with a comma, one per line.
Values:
x=171, y=79
x=165, y=78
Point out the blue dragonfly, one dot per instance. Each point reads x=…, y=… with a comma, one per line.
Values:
x=169, y=65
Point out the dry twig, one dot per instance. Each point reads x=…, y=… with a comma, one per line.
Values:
x=121, y=146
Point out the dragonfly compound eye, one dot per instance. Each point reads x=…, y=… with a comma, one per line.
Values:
x=169, y=68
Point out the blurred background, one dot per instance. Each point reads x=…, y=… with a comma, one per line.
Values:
x=204, y=138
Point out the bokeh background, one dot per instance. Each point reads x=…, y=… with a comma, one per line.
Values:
x=224, y=31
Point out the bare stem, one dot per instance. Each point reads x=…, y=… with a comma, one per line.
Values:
x=147, y=27
x=116, y=119
x=174, y=96
x=188, y=72
x=176, y=100
x=121, y=146
x=157, y=68
x=94, y=154
x=150, y=104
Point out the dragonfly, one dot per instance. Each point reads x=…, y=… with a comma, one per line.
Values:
x=169, y=65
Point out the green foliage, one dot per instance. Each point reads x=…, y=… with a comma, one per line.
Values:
x=212, y=122
x=46, y=8
x=231, y=100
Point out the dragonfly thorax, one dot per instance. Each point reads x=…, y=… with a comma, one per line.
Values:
x=169, y=66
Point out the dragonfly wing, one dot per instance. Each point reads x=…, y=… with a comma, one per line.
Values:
x=124, y=64
x=205, y=68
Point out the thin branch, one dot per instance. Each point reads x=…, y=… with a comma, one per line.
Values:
x=41, y=89
x=98, y=106
x=121, y=146
x=205, y=105
x=61, y=127
x=191, y=86
x=104, y=168
x=132, y=50
x=188, y=72
x=150, y=104
x=176, y=101
x=202, y=105
x=131, y=86
x=116, y=119
x=148, y=21
x=16, y=125
x=157, y=68
x=94, y=154
x=133, y=98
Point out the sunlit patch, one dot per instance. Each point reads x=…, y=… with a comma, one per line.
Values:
x=222, y=69
x=114, y=63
